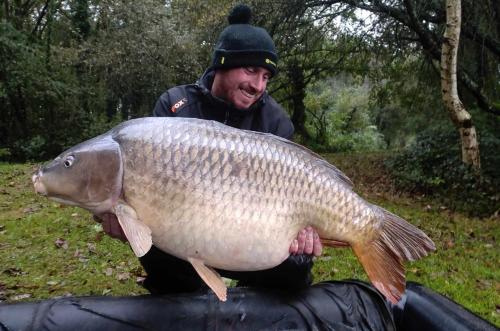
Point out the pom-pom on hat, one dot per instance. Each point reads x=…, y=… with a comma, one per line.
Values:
x=242, y=44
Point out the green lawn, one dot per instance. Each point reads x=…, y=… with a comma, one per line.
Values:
x=47, y=251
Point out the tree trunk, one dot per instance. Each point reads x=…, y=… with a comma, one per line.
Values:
x=298, y=94
x=459, y=115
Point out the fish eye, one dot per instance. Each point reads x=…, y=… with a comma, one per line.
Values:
x=68, y=162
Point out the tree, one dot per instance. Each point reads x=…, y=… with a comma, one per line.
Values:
x=418, y=25
x=415, y=27
x=81, y=64
x=459, y=115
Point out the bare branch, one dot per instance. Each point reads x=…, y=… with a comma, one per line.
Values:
x=40, y=17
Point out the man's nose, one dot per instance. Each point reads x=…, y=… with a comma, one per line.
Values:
x=258, y=83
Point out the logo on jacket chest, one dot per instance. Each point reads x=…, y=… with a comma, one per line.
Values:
x=178, y=105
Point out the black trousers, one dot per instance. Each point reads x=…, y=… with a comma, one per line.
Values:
x=169, y=274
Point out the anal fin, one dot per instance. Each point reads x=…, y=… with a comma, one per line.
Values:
x=210, y=277
x=138, y=234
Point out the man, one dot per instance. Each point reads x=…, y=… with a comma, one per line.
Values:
x=232, y=91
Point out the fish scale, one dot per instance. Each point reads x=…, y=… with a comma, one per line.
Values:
x=227, y=198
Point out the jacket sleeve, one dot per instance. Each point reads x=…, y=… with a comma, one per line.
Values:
x=163, y=106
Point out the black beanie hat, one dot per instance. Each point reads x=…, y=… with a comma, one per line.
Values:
x=242, y=44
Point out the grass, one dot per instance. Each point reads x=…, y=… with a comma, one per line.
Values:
x=47, y=251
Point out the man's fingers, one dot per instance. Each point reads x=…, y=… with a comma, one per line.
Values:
x=301, y=240
x=309, y=242
x=317, y=246
x=118, y=231
x=294, y=247
x=111, y=226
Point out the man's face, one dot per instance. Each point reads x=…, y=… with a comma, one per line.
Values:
x=241, y=86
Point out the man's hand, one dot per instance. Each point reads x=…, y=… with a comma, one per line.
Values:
x=111, y=226
x=307, y=242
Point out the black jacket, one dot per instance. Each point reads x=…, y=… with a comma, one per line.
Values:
x=168, y=274
x=196, y=101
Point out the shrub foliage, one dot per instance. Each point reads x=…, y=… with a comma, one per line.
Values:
x=432, y=165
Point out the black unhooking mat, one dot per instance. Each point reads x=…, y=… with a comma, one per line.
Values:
x=348, y=305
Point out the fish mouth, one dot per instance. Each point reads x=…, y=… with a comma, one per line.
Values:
x=37, y=183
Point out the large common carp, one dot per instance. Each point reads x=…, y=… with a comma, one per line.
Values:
x=226, y=198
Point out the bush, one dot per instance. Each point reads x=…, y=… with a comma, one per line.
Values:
x=339, y=120
x=432, y=165
x=32, y=149
x=4, y=154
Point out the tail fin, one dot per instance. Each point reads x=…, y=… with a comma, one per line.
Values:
x=383, y=257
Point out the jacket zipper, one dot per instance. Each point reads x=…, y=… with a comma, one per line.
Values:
x=226, y=117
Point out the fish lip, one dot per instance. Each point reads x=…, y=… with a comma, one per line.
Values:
x=39, y=187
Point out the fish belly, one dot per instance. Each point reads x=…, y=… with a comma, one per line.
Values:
x=224, y=237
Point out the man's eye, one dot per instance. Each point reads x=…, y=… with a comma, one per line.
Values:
x=251, y=69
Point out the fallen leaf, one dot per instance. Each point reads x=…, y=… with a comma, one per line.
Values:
x=30, y=210
x=61, y=243
x=449, y=244
x=52, y=282
x=74, y=215
x=91, y=247
x=106, y=291
x=98, y=237
x=20, y=297
x=324, y=258
x=123, y=276
x=13, y=272
x=67, y=294
x=108, y=271
x=140, y=280
x=484, y=284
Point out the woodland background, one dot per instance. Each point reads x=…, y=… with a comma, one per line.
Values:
x=361, y=80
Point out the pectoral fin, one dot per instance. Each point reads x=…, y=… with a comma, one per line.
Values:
x=210, y=277
x=138, y=234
